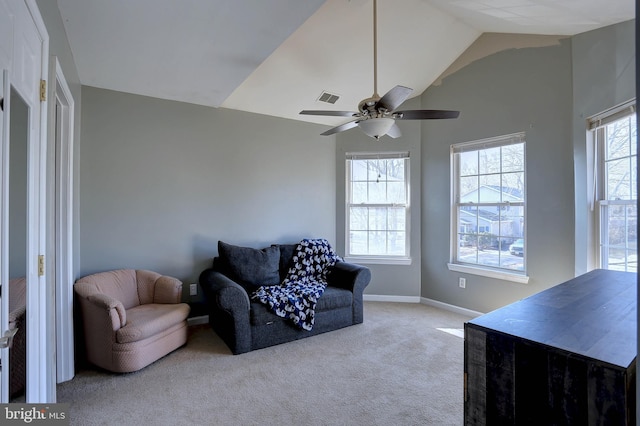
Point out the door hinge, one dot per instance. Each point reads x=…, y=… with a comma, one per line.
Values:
x=43, y=90
x=40, y=265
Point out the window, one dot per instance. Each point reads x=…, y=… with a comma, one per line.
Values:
x=615, y=134
x=377, y=217
x=488, y=212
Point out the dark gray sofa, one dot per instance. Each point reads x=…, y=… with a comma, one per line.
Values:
x=246, y=325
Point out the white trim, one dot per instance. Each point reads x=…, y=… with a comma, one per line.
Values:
x=388, y=298
x=5, y=91
x=450, y=308
x=59, y=93
x=38, y=387
x=490, y=273
x=380, y=260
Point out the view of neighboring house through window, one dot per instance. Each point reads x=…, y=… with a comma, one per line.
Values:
x=489, y=203
x=377, y=215
x=616, y=188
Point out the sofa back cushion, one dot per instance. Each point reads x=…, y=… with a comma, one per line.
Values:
x=119, y=284
x=286, y=258
x=249, y=267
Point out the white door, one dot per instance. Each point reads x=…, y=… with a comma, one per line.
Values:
x=23, y=58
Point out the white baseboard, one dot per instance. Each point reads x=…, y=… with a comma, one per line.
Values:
x=386, y=298
x=451, y=308
x=204, y=319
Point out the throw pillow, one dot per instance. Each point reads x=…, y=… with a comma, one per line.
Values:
x=254, y=267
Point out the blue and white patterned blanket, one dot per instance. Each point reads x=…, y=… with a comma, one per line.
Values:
x=306, y=280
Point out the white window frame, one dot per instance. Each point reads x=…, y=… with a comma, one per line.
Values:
x=601, y=202
x=372, y=258
x=474, y=268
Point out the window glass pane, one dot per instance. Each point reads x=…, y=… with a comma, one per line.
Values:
x=378, y=218
x=358, y=218
x=396, y=193
x=489, y=160
x=513, y=158
x=397, y=219
x=396, y=243
x=358, y=170
x=358, y=242
x=494, y=178
x=377, y=192
x=619, y=179
x=513, y=187
x=359, y=192
x=469, y=189
x=634, y=134
x=395, y=170
x=490, y=189
x=469, y=163
x=618, y=139
x=634, y=178
x=377, y=243
x=377, y=170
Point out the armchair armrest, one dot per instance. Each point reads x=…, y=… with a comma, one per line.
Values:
x=98, y=303
x=167, y=290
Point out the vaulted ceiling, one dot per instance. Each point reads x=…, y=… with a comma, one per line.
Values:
x=277, y=57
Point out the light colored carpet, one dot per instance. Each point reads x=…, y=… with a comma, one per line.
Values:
x=396, y=368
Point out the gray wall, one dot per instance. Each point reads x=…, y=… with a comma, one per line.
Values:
x=387, y=280
x=548, y=92
x=604, y=71
x=163, y=181
x=511, y=91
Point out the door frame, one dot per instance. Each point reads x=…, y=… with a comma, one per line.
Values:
x=37, y=390
x=60, y=224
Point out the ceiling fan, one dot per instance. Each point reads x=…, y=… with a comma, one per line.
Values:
x=376, y=115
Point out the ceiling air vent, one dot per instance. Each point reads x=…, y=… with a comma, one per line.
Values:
x=329, y=98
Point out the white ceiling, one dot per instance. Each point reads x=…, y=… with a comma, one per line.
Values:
x=276, y=57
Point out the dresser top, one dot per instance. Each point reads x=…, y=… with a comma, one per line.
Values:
x=593, y=315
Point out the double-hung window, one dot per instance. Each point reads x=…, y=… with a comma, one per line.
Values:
x=488, y=207
x=377, y=207
x=615, y=136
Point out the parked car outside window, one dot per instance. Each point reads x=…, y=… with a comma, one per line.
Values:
x=517, y=248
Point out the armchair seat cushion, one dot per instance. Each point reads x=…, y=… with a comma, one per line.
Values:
x=147, y=320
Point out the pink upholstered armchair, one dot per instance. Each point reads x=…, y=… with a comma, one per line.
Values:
x=131, y=318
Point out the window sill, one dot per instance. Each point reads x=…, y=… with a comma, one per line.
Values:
x=378, y=260
x=490, y=273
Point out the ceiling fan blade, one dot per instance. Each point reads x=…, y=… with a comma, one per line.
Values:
x=425, y=114
x=329, y=113
x=340, y=128
x=394, y=131
x=394, y=98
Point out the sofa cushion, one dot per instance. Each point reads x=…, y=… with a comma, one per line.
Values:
x=147, y=320
x=252, y=267
x=332, y=298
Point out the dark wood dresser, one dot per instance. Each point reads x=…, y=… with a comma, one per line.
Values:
x=564, y=356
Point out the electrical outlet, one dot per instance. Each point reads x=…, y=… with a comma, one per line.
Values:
x=193, y=289
x=462, y=283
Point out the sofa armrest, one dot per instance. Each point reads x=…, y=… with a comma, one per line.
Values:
x=349, y=276
x=352, y=277
x=167, y=290
x=229, y=309
x=224, y=292
x=99, y=304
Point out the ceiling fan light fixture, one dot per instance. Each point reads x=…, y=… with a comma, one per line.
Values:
x=376, y=127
